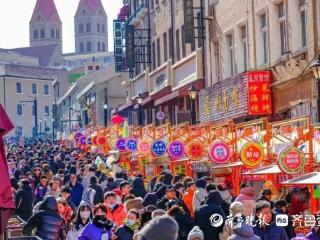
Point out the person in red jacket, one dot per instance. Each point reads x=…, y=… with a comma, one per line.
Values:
x=115, y=211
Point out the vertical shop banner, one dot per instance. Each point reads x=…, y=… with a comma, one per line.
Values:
x=130, y=55
x=188, y=21
x=259, y=93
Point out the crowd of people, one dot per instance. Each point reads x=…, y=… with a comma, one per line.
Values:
x=65, y=193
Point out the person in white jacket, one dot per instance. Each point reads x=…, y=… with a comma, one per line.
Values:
x=200, y=194
x=87, y=177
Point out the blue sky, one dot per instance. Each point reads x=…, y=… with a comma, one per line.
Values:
x=15, y=16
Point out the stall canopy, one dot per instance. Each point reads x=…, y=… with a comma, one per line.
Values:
x=229, y=165
x=272, y=169
x=312, y=178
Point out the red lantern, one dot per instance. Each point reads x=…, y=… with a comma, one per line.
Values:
x=117, y=119
x=94, y=140
x=101, y=141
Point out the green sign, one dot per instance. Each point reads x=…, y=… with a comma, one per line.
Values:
x=73, y=77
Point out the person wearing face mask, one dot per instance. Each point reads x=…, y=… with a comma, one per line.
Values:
x=84, y=216
x=99, y=228
x=115, y=212
x=130, y=225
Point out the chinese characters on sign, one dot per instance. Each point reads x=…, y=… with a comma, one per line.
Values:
x=291, y=160
x=259, y=94
x=219, y=152
x=121, y=144
x=131, y=144
x=144, y=147
x=130, y=54
x=195, y=150
x=188, y=21
x=176, y=149
x=252, y=154
x=159, y=148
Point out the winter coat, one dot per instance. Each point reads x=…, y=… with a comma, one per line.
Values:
x=185, y=225
x=150, y=199
x=49, y=225
x=40, y=193
x=290, y=228
x=270, y=232
x=117, y=215
x=76, y=193
x=138, y=188
x=188, y=201
x=202, y=218
x=263, y=198
x=86, y=179
x=92, y=232
x=98, y=197
x=199, y=197
x=243, y=232
x=24, y=202
x=219, y=201
x=167, y=179
x=225, y=195
x=246, y=198
x=313, y=235
x=111, y=186
x=74, y=233
x=124, y=233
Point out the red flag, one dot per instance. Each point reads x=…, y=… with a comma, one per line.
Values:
x=6, y=197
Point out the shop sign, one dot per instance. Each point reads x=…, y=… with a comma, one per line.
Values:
x=259, y=94
x=198, y=167
x=195, y=150
x=160, y=115
x=176, y=149
x=159, y=148
x=252, y=154
x=144, y=147
x=131, y=144
x=188, y=21
x=180, y=169
x=130, y=51
x=219, y=152
x=291, y=160
x=121, y=144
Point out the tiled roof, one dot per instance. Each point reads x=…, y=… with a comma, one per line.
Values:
x=44, y=53
x=31, y=72
x=91, y=5
x=48, y=10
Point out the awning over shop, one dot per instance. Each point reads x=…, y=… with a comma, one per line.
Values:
x=312, y=178
x=156, y=95
x=126, y=105
x=272, y=169
x=229, y=165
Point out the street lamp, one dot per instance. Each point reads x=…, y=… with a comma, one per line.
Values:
x=105, y=109
x=315, y=68
x=193, y=95
x=139, y=99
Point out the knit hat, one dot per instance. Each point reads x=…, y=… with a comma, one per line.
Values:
x=160, y=228
x=195, y=232
x=134, y=203
x=236, y=208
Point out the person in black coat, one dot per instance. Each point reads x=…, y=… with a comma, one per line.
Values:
x=282, y=208
x=24, y=200
x=131, y=223
x=204, y=219
x=98, y=197
x=47, y=221
x=170, y=196
x=138, y=188
x=184, y=221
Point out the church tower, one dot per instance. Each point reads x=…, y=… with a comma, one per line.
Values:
x=45, y=25
x=91, y=27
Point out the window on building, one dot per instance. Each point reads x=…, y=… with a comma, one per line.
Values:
x=18, y=87
x=283, y=28
x=98, y=27
x=183, y=42
x=152, y=4
x=88, y=46
x=153, y=55
x=81, y=28
x=35, y=34
x=265, y=41
x=303, y=20
x=19, y=110
x=52, y=33
x=217, y=60
x=158, y=53
x=46, y=111
x=103, y=28
x=165, y=47
x=42, y=33
x=199, y=30
x=81, y=47
x=177, y=45
x=103, y=47
x=244, y=43
x=170, y=43
x=33, y=111
x=46, y=90
x=230, y=45
x=34, y=88
x=57, y=34
x=88, y=27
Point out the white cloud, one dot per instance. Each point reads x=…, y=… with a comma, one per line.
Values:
x=15, y=16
